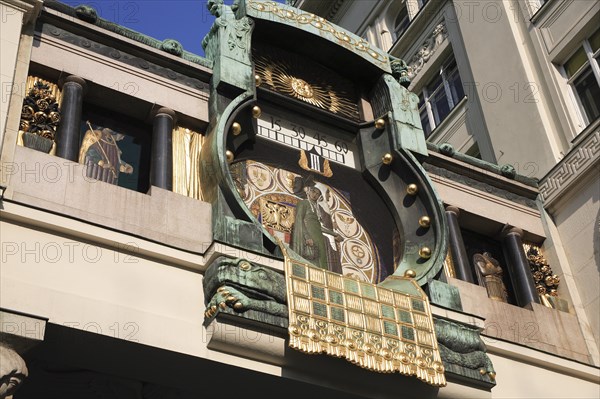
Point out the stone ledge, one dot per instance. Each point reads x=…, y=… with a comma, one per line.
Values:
x=21, y=331
x=60, y=186
x=534, y=326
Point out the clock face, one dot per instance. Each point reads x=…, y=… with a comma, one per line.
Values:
x=301, y=179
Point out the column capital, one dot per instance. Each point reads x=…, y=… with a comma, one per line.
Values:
x=511, y=230
x=166, y=111
x=73, y=79
x=453, y=209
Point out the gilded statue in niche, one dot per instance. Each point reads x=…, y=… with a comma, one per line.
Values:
x=489, y=274
x=101, y=155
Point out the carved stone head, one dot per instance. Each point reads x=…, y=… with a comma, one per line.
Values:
x=172, y=47
x=86, y=13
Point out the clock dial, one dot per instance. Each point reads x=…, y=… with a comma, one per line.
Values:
x=302, y=180
x=310, y=137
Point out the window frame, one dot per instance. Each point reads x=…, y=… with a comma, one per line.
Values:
x=404, y=23
x=592, y=62
x=446, y=69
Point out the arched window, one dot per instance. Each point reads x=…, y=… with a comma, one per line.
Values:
x=401, y=22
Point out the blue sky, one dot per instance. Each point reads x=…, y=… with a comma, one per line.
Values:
x=186, y=21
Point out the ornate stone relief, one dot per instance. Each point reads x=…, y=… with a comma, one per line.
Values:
x=573, y=165
x=463, y=351
x=128, y=59
x=428, y=48
x=480, y=185
x=13, y=371
x=236, y=286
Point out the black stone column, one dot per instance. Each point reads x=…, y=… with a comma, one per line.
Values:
x=518, y=267
x=161, y=169
x=462, y=266
x=67, y=134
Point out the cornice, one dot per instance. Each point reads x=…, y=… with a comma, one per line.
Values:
x=581, y=159
x=30, y=8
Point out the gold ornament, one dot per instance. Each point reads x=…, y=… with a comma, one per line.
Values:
x=379, y=123
x=425, y=252
x=410, y=273
x=229, y=156
x=302, y=88
x=236, y=128
x=245, y=265
x=257, y=80
x=387, y=159
x=412, y=189
x=256, y=111
x=425, y=222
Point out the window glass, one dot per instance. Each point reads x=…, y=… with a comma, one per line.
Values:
x=575, y=62
x=440, y=106
x=435, y=84
x=440, y=96
x=402, y=22
x=588, y=91
x=424, y=117
x=456, y=87
x=595, y=41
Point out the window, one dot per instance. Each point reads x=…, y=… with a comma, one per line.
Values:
x=583, y=72
x=440, y=96
x=115, y=148
x=402, y=21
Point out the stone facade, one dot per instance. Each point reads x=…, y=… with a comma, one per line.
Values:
x=103, y=284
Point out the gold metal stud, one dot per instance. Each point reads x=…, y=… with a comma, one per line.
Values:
x=230, y=299
x=482, y=372
x=380, y=123
x=387, y=159
x=229, y=156
x=424, y=221
x=412, y=189
x=492, y=375
x=257, y=80
x=222, y=305
x=245, y=266
x=236, y=128
x=410, y=273
x=238, y=306
x=256, y=111
x=425, y=252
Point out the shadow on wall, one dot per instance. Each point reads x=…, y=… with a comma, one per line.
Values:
x=596, y=241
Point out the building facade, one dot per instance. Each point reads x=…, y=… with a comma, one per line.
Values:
x=421, y=221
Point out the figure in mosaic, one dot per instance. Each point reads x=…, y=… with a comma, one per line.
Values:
x=101, y=155
x=312, y=231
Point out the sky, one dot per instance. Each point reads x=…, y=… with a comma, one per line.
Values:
x=186, y=21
